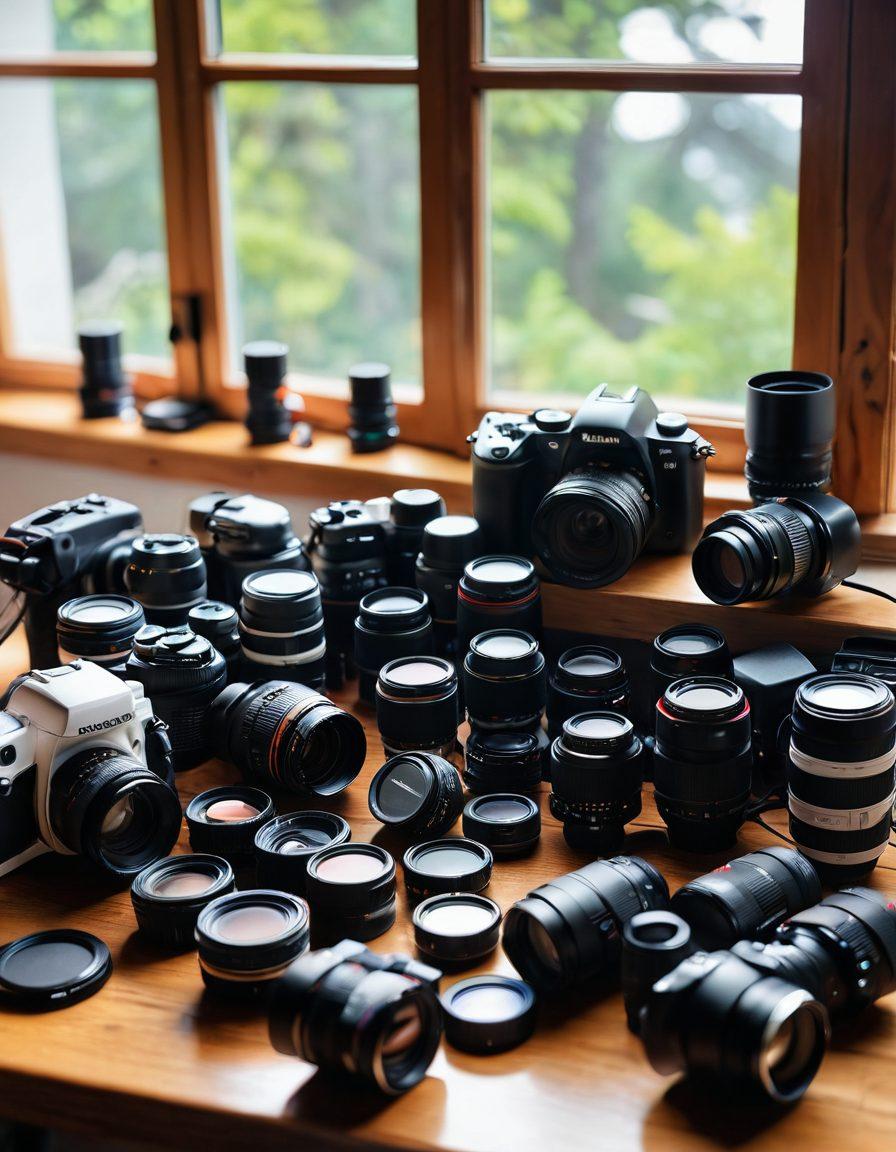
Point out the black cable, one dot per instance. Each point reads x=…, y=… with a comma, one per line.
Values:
x=774, y=831
x=867, y=588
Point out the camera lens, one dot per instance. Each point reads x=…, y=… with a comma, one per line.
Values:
x=789, y=430
x=411, y=510
x=590, y=528
x=371, y=413
x=596, y=774
x=99, y=628
x=687, y=650
x=223, y=822
x=181, y=673
x=653, y=943
x=351, y=890
x=841, y=778
x=502, y=761
x=282, y=626
x=285, y=844
x=289, y=736
x=391, y=623
x=806, y=546
x=348, y=1010
x=702, y=762
x=166, y=574
x=247, y=940
x=449, y=543
x=566, y=933
x=218, y=623
x=268, y=419
x=488, y=1014
x=169, y=895
x=105, y=388
x=450, y=865
x=504, y=680
x=507, y=824
x=586, y=679
x=107, y=806
x=416, y=705
x=748, y=897
x=458, y=929
x=417, y=794
x=497, y=592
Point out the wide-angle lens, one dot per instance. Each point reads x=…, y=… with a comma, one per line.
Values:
x=281, y=626
x=789, y=430
x=586, y=678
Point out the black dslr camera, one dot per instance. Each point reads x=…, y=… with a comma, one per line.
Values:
x=588, y=493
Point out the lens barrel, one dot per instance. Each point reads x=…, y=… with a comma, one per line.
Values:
x=392, y=622
x=268, y=419
x=789, y=430
x=169, y=895
x=506, y=823
x=448, y=544
x=586, y=679
x=417, y=794
x=371, y=411
x=653, y=943
x=497, y=592
x=224, y=822
x=416, y=705
x=502, y=761
x=285, y=844
x=166, y=574
x=105, y=388
x=100, y=629
x=504, y=680
x=281, y=626
x=411, y=510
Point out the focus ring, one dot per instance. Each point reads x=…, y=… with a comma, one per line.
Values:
x=800, y=540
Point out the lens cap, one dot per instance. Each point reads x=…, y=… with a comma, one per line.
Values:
x=488, y=1013
x=54, y=969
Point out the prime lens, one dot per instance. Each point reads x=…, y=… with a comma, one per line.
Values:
x=281, y=626
x=504, y=680
x=166, y=574
x=105, y=388
x=371, y=411
x=789, y=430
x=100, y=629
x=219, y=624
x=586, y=679
x=268, y=419
x=497, y=592
x=411, y=510
x=416, y=705
x=351, y=890
x=392, y=622
x=449, y=543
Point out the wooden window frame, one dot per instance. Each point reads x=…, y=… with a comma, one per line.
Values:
x=846, y=260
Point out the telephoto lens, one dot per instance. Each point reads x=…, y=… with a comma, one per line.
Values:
x=653, y=943
x=503, y=761
x=247, y=941
x=223, y=822
x=285, y=844
x=105, y=388
x=417, y=794
x=354, y=1013
x=841, y=780
x=371, y=413
x=166, y=574
x=218, y=623
x=702, y=762
x=687, y=650
x=507, y=824
x=417, y=707
x=803, y=545
x=392, y=622
x=268, y=419
x=586, y=679
x=100, y=629
x=351, y=890
x=281, y=627
x=748, y=897
x=497, y=592
x=412, y=509
x=504, y=680
x=287, y=736
x=566, y=933
x=789, y=430
x=449, y=543
x=169, y=895
x=596, y=774
x=182, y=674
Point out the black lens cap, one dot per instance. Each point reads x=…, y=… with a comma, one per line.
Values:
x=488, y=1013
x=54, y=969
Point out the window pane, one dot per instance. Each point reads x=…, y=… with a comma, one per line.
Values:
x=644, y=238
x=664, y=32
x=320, y=27
x=37, y=27
x=324, y=197
x=81, y=224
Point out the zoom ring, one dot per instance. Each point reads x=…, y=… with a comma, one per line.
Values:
x=800, y=540
x=765, y=890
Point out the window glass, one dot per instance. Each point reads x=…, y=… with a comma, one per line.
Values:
x=38, y=27
x=320, y=27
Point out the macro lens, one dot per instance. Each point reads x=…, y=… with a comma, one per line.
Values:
x=166, y=574
x=417, y=794
x=497, y=592
x=285, y=844
x=841, y=778
x=268, y=419
x=348, y=1010
x=371, y=412
x=351, y=890
x=169, y=895
x=289, y=736
x=282, y=627
x=391, y=623
x=789, y=430
x=504, y=680
x=449, y=543
x=596, y=774
x=687, y=650
x=653, y=943
x=566, y=933
x=219, y=624
x=748, y=897
x=224, y=821
x=502, y=761
x=586, y=679
x=416, y=705
x=411, y=510
x=99, y=628
x=702, y=762
x=105, y=388
x=806, y=545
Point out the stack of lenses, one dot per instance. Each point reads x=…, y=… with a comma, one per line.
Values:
x=586, y=679
x=99, y=628
x=391, y=623
x=449, y=543
x=166, y=574
x=503, y=761
x=789, y=430
x=687, y=650
x=351, y=890
x=105, y=388
x=282, y=627
x=504, y=681
x=371, y=413
x=840, y=782
x=497, y=592
x=412, y=509
x=219, y=624
x=702, y=762
x=269, y=421
x=416, y=705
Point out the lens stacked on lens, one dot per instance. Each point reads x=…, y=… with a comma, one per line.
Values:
x=392, y=622
x=497, y=592
x=100, y=629
x=789, y=430
x=411, y=510
x=449, y=543
x=282, y=626
x=702, y=762
x=841, y=778
x=166, y=574
x=416, y=705
x=687, y=650
x=268, y=419
x=586, y=679
x=371, y=412
x=105, y=388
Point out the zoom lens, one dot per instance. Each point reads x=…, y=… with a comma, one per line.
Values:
x=284, y=734
x=748, y=897
x=702, y=762
x=417, y=793
x=166, y=574
x=411, y=510
x=841, y=779
x=789, y=430
x=391, y=623
x=449, y=543
x=282, y=626
x=107, y=806
x=371, y=411
x=416, y=705
x=567, y=933
x=268, y=419
x=497, y=592
x=687, y=650
x=100, y=629
x=105, y=388
x=586, y=679
x=806, y=546
x=591, y=527
x=499, y=761
x=346, y=1009
x=596, y=774
x=504, y=680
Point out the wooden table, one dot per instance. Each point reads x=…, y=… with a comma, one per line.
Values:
x=151, y=1058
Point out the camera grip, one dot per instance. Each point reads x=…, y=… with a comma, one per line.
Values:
x=503, y=505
